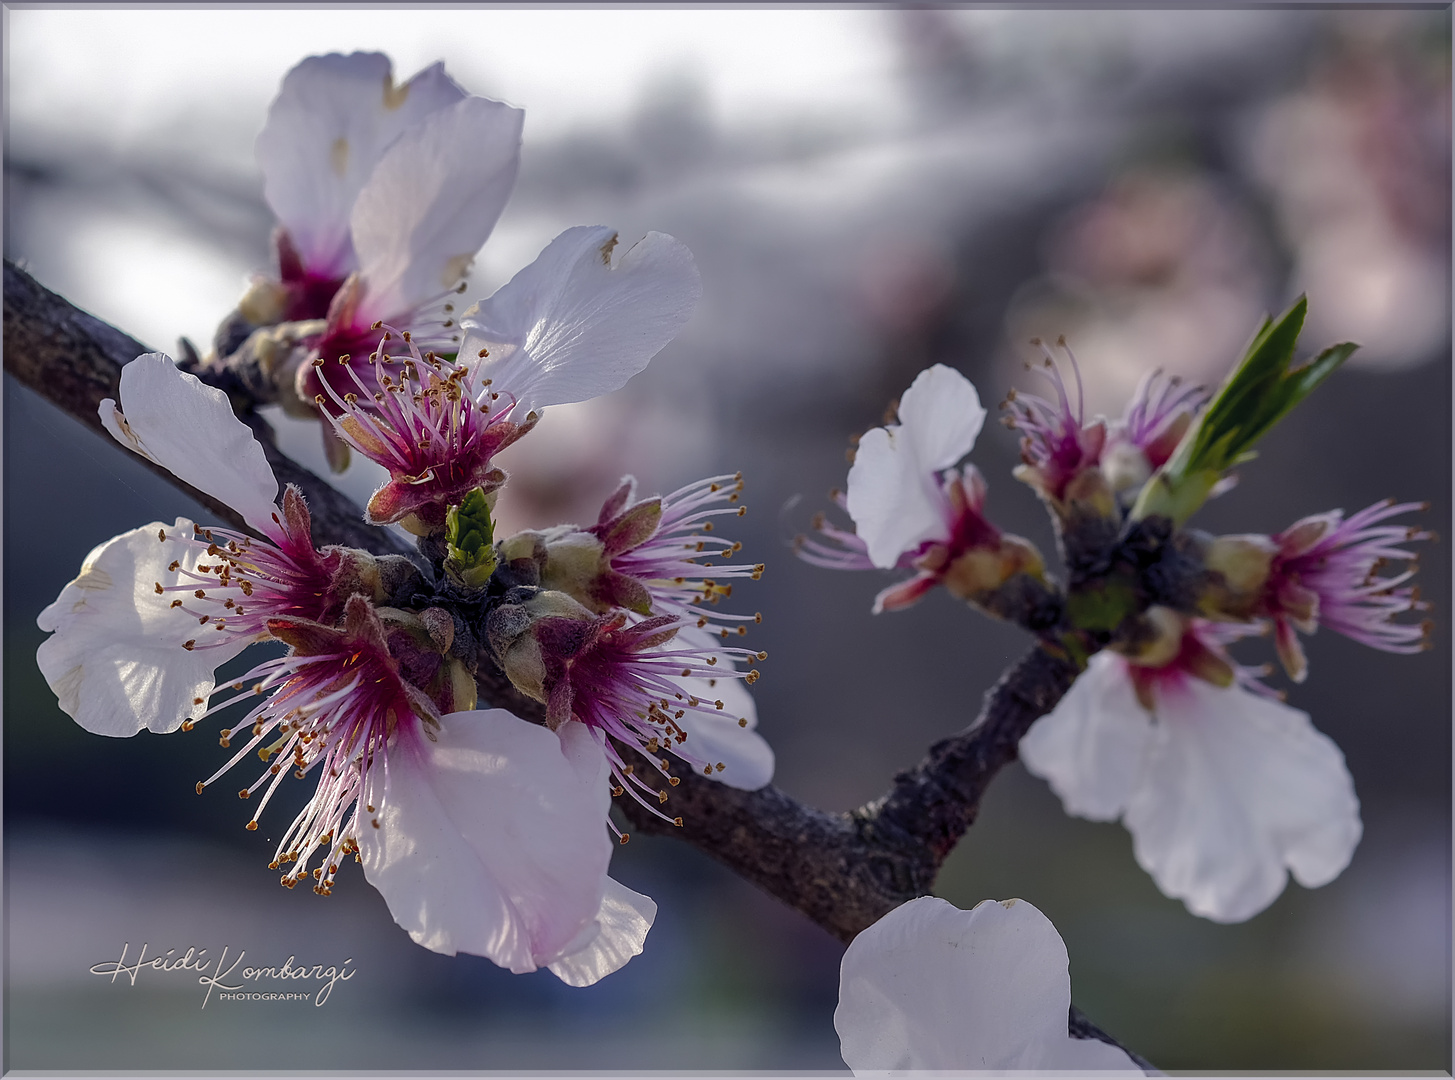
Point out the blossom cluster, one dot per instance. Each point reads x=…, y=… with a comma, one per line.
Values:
x=491, y=834
x=484, y=832
x=1224, y=787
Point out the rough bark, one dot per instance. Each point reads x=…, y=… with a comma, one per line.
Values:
x=844, y=871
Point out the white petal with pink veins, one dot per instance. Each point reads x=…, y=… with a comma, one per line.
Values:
x=116, y=659
x=575, y=323
x=326, y=131
x=929, y=986
x=431, y=203
x=1236, y=790
x=893, y=495
x=618, y=934
x=188, y=428
x=1090, y=747
x=492, y=840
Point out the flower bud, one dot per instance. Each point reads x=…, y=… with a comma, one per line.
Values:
x=975, y=574
x=576, y=562
x=419, y=643
x=1238, y=567
x=1125, y=467
x=515, y=628
x=1155, y=639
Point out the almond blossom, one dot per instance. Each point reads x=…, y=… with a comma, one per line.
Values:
x=483, y=833
x=1059, y=444
x=1323, y=570
x=429, y=205
x=571, y=326
x=646, y=683
x=913, y=509
x=331, y=124
x=383, y=195
x=931, y=987
x=1224, y=788
x=618, y=626
x=904, y=495
x=1326, y=574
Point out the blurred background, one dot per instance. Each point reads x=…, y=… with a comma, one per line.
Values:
x=866, y=193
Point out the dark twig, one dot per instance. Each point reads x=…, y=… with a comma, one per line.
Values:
x=844, y=871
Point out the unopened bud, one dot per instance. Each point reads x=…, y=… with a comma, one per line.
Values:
x=1155, y=639
x=1126, y=468
x=1089, y=494
x=975, y=574
x=1238, y=574
x=514, y=627
x=578, y=562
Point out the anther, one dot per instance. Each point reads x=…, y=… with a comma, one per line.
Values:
x=251, y=826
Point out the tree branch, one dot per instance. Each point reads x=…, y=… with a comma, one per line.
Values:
x=844, y=871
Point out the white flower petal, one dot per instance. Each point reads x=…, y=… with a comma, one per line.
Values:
x=746, y=757
x=620, y=933
x=492, y=840
x=893, y=495
x=331, y=122
x=1090, y=747
x=941, y=412
x=572, y=325
x=929, y=986
x=1237, y=787
x=115, y=659
x=431, y=203
x=190, y=429
x=894, y=500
